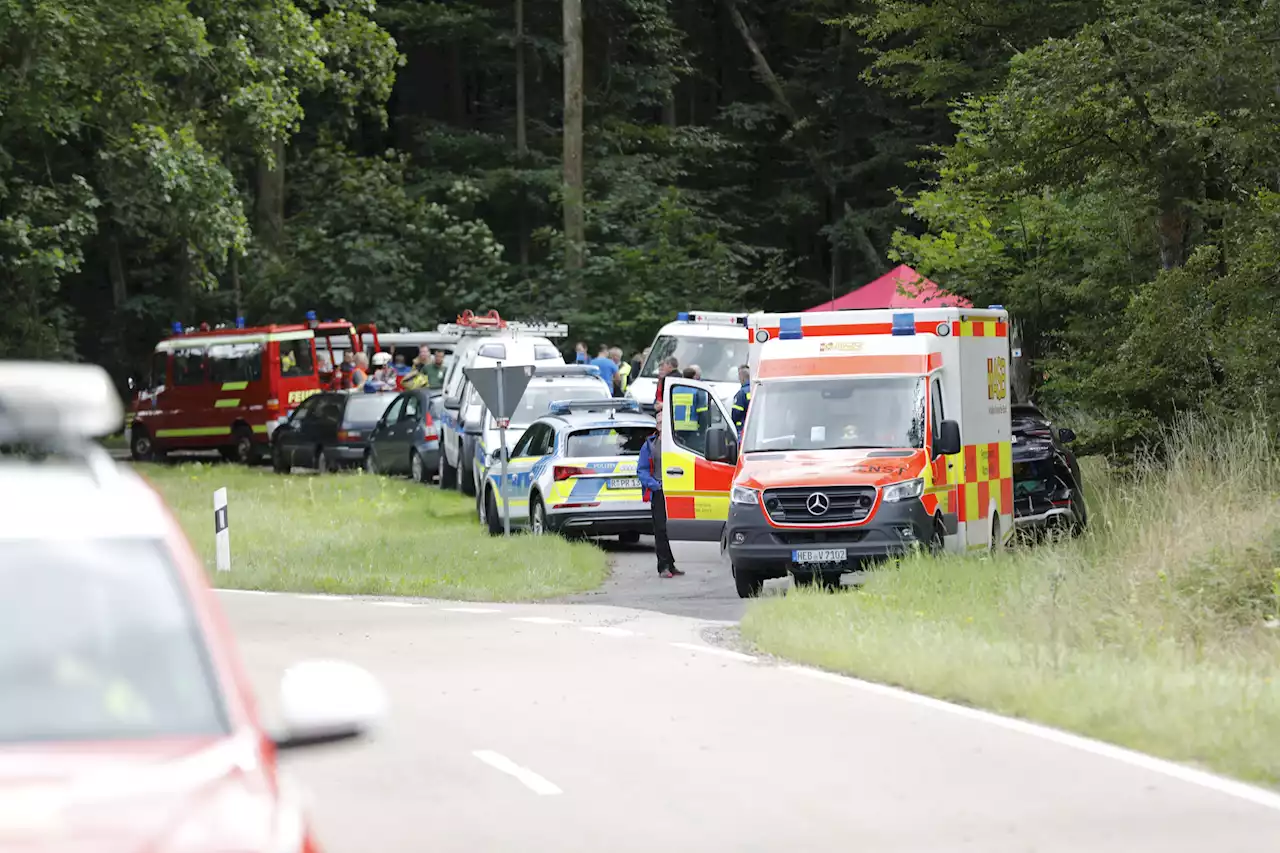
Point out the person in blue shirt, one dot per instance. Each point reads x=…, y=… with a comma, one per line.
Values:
x=649, y=472
x=742, y=400
x=606, y=365
x=580, y=353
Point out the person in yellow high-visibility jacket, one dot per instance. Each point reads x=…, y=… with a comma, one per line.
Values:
x=623, y=375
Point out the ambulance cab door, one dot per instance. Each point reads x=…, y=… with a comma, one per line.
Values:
x=699, y=457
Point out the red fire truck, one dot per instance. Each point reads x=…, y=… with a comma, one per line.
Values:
x=228, y=388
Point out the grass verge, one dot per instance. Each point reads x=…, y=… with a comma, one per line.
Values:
x=1157, y=630
x=363, y=535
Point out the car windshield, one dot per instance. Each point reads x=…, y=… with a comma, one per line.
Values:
x=607, y=441
x=367, y=408
x=98, y=641
x=830, y=414
x=537, y=399
x=717, y=358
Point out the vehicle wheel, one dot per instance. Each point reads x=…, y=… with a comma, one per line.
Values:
x=417, y=470
x=245, y=450
x=448, y=478
x=467, y=479
x=537, y=516
x=322, y=462
x=370, y=464
x=997, y=544
x=141, y=447
x=749, y=585
x=492, y=519
x=631, y=537
x=938, y=542
x=277, y=462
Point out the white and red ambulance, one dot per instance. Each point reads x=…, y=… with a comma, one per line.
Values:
x=869, y=433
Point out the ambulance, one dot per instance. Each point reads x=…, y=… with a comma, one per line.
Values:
x=712, y=340
x=869, y=433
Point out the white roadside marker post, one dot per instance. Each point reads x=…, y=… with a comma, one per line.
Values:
x=221, y=535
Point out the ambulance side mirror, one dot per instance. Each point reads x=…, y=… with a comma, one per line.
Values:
x=947, y=441
x=720, y=446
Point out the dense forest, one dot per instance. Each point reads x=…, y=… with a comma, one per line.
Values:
x=1107, y=169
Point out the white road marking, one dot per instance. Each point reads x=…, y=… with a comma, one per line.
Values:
x=540, y=620
x=527, y=777
x=609, y=631
x=712, y=650
x=470, y=610
x=396, y=603
x=1173, y=770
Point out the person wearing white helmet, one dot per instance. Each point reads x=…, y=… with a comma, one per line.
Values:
x=384, y=375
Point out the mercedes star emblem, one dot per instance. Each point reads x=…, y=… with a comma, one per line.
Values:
x=818, y=503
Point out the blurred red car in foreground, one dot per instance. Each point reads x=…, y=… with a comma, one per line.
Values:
x=126, y=720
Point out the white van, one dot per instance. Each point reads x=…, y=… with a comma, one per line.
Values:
x=459, y=405
x=715, y=341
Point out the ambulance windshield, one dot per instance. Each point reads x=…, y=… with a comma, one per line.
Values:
x=717, y=358
x=837, y=413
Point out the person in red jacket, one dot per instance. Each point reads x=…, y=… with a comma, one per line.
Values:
x=649, y=472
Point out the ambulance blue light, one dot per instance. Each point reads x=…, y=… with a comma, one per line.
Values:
x=996, y=307
x=790, y=328
x=239, y=322
x=177, y=328
x=904, y=324
x=682, y=317
x=311, y=316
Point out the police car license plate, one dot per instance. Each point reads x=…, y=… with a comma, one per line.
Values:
x=624, y=483
x=820, y=555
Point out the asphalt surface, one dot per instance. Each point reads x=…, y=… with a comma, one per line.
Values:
x=572, y=727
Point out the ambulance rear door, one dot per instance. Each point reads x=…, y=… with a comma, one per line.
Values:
x=699, y=457
x=985, y=427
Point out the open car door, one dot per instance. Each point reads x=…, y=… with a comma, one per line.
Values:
x=699, y=457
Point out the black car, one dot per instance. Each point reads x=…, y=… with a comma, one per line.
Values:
x=328, y=431
x=1047, y=492
x=406, y=440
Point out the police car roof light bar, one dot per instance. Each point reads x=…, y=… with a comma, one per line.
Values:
x=42, y=402
x=613, y=404
x=554, y=370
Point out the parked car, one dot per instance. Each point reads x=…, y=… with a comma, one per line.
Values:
x=550, y=382
x=574, y=472
x=406, y=439
x=1047, y=493
x=127, y=721
x=328, y=431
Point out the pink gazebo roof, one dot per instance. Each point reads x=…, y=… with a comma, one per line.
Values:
x=885, y=292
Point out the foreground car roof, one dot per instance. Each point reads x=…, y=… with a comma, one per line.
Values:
x=78, y=499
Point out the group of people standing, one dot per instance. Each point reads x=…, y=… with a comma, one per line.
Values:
x=387, y=372
x=612, y=369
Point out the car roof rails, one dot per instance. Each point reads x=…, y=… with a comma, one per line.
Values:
x=611, y=405
x=60, y=407
x=469, y=323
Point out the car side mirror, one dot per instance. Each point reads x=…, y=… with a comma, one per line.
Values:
x=496, y=455
x=721, y=447
x=326, y=701
x=1066, y=435
x=452, y=403
x=947, y=441
x=474, y=428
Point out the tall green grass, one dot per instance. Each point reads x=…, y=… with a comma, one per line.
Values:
x=359, y=534
x=1156, y=630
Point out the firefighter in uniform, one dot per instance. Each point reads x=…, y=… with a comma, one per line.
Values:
x=742, y=400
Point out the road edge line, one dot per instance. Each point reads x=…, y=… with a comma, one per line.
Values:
x=540, y=785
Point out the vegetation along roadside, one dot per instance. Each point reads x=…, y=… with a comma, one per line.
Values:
x=361, y=535
x=1159, y=630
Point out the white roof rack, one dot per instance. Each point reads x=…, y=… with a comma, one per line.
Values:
x=47, y=401
x=543, y=330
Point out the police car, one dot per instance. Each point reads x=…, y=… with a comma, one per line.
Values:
x=574, y=472
x=118, y=675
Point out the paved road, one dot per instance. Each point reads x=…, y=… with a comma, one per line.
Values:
x=587, y=728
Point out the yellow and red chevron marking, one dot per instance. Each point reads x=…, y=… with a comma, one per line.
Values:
x=979, y=329
x=988, y=471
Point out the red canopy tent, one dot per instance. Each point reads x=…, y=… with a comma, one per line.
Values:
x=887, y=292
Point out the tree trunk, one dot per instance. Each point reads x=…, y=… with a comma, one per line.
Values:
x=522, y=142
x=235, y=282
x=270, y=200
x=115, y=271
x=574, y=220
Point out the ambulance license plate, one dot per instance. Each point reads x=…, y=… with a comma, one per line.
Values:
x=624, y=483
x=820, y=555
